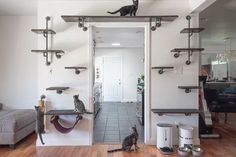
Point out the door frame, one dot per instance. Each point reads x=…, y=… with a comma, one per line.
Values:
x=147, y=71
x=121, y=76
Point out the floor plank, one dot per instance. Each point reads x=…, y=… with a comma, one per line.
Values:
x=224, y=147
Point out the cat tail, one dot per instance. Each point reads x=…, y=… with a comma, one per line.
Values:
x=41, y=138
x=113, y=12
x=114, y=150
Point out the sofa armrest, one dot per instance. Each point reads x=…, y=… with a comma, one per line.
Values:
x=7, y=125
x=1, y=106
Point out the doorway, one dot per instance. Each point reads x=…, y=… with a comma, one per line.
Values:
x=119, y=61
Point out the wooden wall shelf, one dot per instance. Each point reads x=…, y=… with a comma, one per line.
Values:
x=46, y=32
x=187, y=112
x=192, y=30
x=76, y=18
x=83, y=19
x=49, y=51
x=161, y=69
x=188, y=88
x=187, y=50
x=58, y=53
x=43, y=31
x=76, y=68
x=59, y=90
x=61, y=112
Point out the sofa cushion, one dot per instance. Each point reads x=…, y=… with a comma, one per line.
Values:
x=14, y=120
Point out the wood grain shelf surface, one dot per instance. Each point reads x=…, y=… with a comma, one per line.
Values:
x=57, y=88
x=48, y=51
x=164, y=67
x=192, y=30
x=76, y=18
x=188, y=87
x=43, y=31
x=61, y=112
x=187, y=50
x=75, y=67
x=176, y=111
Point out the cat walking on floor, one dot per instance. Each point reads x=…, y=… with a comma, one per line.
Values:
x=128, y=142
x=129, y=9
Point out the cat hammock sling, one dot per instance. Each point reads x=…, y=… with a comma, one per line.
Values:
x=62, y=129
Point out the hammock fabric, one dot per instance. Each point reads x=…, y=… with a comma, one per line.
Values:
x=55, y=121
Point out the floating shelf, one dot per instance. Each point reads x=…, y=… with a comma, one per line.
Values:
x=76, y=18
x=46, y=32
x=61, y=112
x=77, y=69
x=192, y=30
x=58, y=53
x=59, y=90
x=83, y=19
x=188, y=88
x=49, y=51
x=161, y=69
x=43, y=31
x=187, y=50
x=187, y=112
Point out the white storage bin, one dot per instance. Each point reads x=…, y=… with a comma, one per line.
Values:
x=186, y=136
x=164, y=135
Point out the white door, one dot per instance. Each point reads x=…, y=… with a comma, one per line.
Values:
x=112, y=79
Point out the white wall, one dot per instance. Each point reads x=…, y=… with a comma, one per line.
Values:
x=164, y=91
x=132, y=68
x=18, y=66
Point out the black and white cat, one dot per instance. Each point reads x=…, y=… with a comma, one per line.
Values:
x=79, y=105
x=129, y=9
x=128, y=142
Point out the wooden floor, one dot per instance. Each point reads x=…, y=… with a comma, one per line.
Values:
x=224, y=147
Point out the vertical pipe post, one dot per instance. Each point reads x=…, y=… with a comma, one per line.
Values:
x=46, y=36
x=189, y=36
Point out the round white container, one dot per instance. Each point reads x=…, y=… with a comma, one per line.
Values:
x=164, y=135
x=186, y=136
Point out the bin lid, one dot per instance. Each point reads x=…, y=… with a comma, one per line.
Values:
x=186, y=127
x=164, y=125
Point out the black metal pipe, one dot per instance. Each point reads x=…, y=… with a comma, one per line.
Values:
x=189, y=36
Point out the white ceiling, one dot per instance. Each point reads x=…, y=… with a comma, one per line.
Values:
x=127, y=37
x=219, y=21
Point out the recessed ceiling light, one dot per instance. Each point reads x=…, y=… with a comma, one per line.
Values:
x=115, y=44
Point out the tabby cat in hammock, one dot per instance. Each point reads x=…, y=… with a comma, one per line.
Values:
x=129, y=9
x=128, y=142
x=79, y=105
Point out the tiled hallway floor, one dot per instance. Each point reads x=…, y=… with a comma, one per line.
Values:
x=113, y=122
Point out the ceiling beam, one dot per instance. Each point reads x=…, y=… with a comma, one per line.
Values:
x=198, y=6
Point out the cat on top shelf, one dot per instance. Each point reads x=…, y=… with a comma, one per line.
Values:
x=129, y=9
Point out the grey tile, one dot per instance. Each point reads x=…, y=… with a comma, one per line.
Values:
x=112, y=132
x=99, y=129
x=111, y=137
x=111, y=128
x=99, y=138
